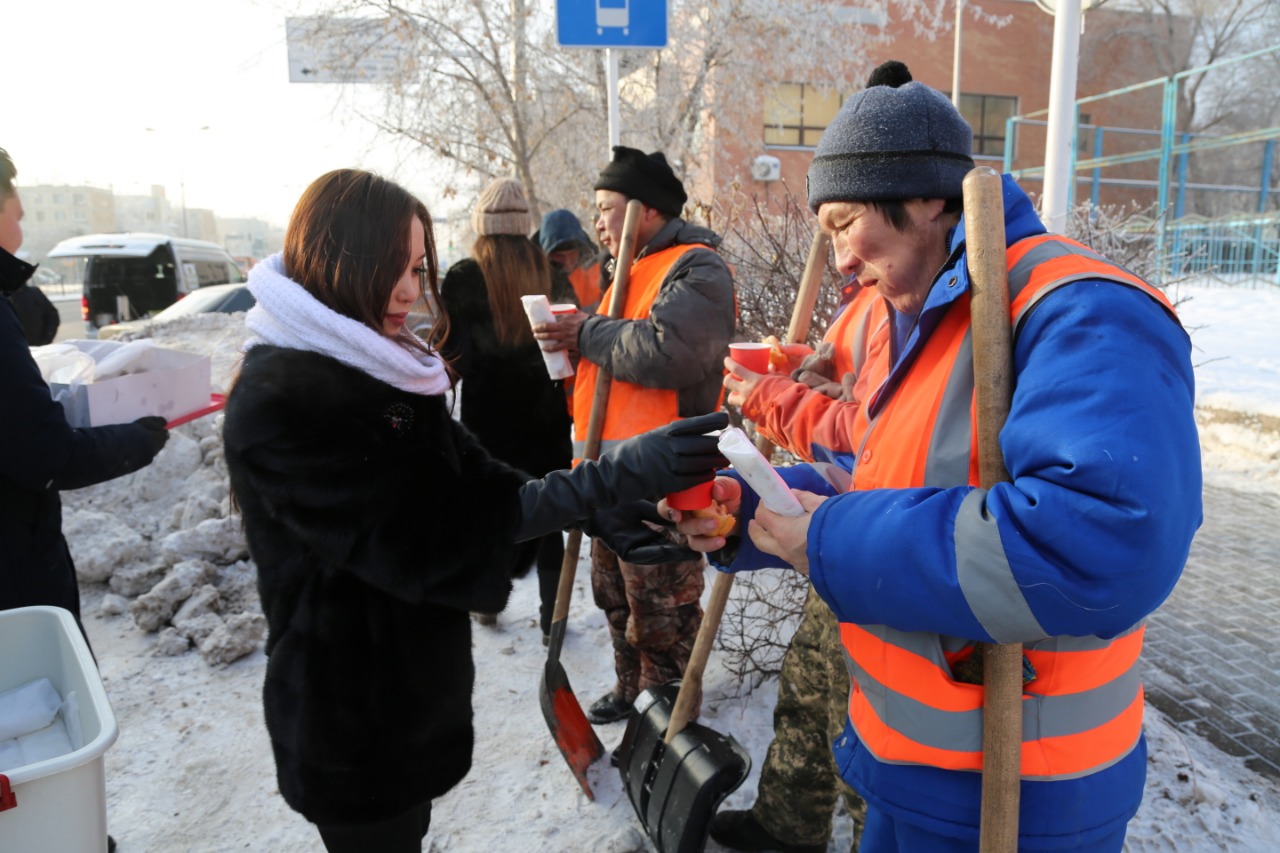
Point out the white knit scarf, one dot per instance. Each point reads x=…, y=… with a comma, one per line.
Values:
x=287, y=316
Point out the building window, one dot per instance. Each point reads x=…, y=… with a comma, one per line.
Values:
x=987, y=114
x=797, y=113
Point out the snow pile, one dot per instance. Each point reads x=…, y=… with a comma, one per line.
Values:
x=164, y=539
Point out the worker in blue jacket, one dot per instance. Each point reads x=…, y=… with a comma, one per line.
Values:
x=921, y=565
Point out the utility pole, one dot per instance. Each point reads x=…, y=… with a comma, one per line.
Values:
x=1059, y=165
x=955, y=57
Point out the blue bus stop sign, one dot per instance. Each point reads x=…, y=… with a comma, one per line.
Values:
x=611, y=23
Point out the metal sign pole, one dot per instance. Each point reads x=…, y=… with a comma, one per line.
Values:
x=611, y=75
x=1059, y=169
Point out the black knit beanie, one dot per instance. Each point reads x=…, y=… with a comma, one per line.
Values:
x=895, y=140
x=646, y=177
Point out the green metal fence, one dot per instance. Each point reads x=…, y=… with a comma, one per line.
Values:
x=1239, y=237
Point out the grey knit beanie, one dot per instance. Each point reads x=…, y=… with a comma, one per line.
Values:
x=502, y=209
x=895, y=140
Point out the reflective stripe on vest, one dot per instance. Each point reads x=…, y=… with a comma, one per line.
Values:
x=852, y=328
x=1083, y=710
x=632, y=409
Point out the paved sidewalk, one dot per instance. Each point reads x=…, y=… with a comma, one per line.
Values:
x=1212, y=656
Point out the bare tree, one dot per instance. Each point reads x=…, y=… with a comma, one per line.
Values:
x=1180, y=35
x=490, y=93
x=1185, y=34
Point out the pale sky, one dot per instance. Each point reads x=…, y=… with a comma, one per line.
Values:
x=83, y=79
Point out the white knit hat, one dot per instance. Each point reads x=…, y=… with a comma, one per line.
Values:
x=502, y=209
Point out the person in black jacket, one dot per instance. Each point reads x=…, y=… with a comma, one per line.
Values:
x=36, y=313
x=378, y=522
x=40, y=454
x=504, y=377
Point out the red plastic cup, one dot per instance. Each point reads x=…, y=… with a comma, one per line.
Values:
x=689, y=499
x=752, y=356
x=564, y=308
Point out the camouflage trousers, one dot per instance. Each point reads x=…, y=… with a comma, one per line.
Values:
x=653, y=614
x=799, y=783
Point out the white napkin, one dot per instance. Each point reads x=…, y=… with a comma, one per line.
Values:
x=759, y=474
x=28, y=708
x=538, y=310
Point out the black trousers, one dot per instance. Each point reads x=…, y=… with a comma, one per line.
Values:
x=401, y=834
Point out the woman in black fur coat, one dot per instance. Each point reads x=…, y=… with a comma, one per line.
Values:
x=377, y=522
x=504, y=377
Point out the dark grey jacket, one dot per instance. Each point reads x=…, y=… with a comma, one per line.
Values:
x=683, y=342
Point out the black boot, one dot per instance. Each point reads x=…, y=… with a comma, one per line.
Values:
x=609, y=708
x=739, y=830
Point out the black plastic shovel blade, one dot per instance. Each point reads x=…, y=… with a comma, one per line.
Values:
x=676, y=789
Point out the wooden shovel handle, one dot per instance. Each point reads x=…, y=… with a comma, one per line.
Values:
x=599, y=402
x=806, y=299
x=691, y=684
x=993, y=382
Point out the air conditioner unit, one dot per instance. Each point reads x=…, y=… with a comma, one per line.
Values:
x=766, y=168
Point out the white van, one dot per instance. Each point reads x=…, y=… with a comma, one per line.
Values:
x=130, y=276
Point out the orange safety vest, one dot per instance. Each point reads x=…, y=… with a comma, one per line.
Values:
x=806, y=421
x=859, y=334
x=632, y=408
x=586, y=284
x=1083, y=710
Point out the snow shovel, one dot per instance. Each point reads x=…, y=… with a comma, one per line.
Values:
x=569, y=725
x=993, y=383
x=802, y=313
x=677, y=773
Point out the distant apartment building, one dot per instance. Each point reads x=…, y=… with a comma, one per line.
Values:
x=247, y=238
x=156, y=214
x=148, y=213
x=55, y=212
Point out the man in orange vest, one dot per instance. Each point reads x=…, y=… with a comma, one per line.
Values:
x=665, y=355
x=572, y=257
x=791, y=410
x=921, y=565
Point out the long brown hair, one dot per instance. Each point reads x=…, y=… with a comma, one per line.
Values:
x=346, y=244
x=512, y=266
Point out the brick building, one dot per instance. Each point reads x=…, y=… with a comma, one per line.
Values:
x=1005, y=71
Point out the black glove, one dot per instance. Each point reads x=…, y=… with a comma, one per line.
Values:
x=667, y=459
x=157, y=434
x=629, y=531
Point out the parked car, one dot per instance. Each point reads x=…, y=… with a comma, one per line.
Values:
x=216, y=298
x=45, y=276
x=132, y=276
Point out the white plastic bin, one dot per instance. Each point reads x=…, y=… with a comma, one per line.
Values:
x=59, y=804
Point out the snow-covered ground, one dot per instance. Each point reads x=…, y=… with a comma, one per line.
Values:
x=192, y=770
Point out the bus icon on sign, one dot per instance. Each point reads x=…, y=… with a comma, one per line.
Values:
x=614, y=14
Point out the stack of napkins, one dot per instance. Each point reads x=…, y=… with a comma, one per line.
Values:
x=31, y=728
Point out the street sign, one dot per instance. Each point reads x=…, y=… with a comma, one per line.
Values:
x=344, y=50
x=611, y=23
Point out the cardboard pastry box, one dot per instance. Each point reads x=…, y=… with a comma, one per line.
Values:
x=165, y=382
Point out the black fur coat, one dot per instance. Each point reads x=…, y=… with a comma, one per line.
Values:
x=376, y=522
x=516, y=410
